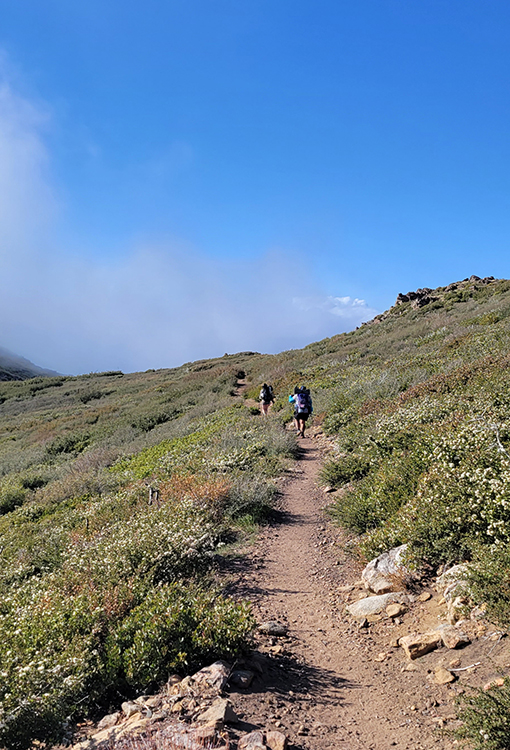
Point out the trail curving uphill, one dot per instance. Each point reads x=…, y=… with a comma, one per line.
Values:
x=329, y=684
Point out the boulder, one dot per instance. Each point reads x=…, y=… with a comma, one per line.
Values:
x=220, y=713
x=252, y=741
x=374, y=605
x=386, y=572
x=129, y=709
x=271, y=627
x=108, y=721
x=214, y=676
x=276, y=740
x=417, y=645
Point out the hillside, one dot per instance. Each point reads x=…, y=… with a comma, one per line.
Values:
x=119, y=491
x=13, y=367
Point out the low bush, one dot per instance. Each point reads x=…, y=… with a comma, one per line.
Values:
x=338, y=471
x=68, y=444
x=485, y=716
x=251, y=498
x=489, y=581
x=68, y=652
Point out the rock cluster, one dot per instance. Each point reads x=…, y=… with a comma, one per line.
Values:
x=425, y=296
x=193, y=713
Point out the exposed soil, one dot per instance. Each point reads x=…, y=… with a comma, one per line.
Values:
x=331, y=683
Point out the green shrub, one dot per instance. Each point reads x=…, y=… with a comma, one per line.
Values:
x=251, y=497
x=489, y=581
x=66, y=653
x=150, y=421
x=485, y=716
x=177, y=628
x=338, y=471
x=381, y=494
x=91, y=395
x=12, y=494
x=68, y=444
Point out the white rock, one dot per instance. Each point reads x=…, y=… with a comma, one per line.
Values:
x=215, y=676
x=386, y=572
x=448, y=581
x=374, y=605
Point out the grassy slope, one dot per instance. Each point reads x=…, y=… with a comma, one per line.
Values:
x=418, y=399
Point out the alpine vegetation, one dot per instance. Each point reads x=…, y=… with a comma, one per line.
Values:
x=118, y=492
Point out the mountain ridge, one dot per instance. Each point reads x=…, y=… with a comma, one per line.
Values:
x=15, y=367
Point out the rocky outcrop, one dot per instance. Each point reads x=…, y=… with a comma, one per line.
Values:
x=386, y=572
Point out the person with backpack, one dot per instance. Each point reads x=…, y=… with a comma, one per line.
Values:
x=302, y=407
x=266, y=398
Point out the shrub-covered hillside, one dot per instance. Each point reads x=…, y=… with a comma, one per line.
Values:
x=116, y=491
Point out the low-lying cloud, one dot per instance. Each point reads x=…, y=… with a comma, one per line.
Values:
x=158, y=305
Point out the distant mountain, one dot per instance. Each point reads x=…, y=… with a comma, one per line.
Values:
x=14, y=367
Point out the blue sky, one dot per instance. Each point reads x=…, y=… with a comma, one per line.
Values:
x=181, y=179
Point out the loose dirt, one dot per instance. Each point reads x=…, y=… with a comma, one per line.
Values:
x=331, y=683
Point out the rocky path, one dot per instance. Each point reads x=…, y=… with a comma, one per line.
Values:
x=329, y=683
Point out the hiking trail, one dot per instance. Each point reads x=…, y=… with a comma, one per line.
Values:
x=328, y=684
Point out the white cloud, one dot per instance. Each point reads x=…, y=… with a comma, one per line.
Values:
x=157, y=306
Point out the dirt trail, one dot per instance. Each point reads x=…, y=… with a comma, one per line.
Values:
x=321, y=685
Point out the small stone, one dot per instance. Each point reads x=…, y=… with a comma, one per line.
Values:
x=381, y=657
x=386, y=572
x=455, y=663
x=252, y=741
x=184, y=684
x=410, y=667
x=108, y=721
x=395, y=610
x=302, y=729
x=153, y=702
x=271, y=627
x=424, y=597
x=221, y=712
x=241, y=678
x=499, y=682
x=129, y=709
x=374, y=605
x=442, y=676
x=417, y=645
x=276, y=740
x=276, y=649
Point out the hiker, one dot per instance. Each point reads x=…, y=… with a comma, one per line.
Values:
x=266, y=398
x=302, y=407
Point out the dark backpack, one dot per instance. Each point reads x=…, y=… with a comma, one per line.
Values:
x=266, y=394
x=303, y=403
